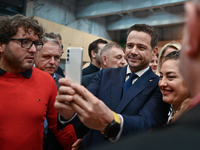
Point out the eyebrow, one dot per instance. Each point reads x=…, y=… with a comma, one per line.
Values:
x=142, y=45
x=118, y=55
x=170, y=73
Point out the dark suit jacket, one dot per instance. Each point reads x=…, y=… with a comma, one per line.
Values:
x=141, y=107
x=60, y=71
x=90, y=69
x=184, y=134
x=56, y=80
x=87, y=79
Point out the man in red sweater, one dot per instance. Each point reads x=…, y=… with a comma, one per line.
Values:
x=27, y=94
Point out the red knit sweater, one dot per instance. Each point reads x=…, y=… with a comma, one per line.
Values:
x=24, y=103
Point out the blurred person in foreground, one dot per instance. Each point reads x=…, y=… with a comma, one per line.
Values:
x=27, y=93
x=184, y=133
x=119, y=101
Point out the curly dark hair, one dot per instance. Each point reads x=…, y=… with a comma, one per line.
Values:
x=147, y=29
x=9, y=26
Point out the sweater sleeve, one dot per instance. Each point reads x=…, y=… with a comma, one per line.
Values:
x=66, y=137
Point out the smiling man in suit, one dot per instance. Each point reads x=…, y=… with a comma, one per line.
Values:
x=119, y=101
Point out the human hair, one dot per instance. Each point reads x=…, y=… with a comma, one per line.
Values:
x=157, y=55
x=47, y=39
x=108, y=47
x=9, y=26
x=94, y=46
x=175, y=45
x=147, y=29
x=53, y=35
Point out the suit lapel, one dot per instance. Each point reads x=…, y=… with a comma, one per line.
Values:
x=116, y=88
x=141, y=83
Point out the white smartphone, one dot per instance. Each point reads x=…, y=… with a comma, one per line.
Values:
x=73, y=64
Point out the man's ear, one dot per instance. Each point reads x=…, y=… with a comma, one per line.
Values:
x=193, y=28
x=93, y=54
x=2, y=47
x=104, y=61
x=155, y=50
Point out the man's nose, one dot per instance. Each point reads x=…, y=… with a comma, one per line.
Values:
x=52, y=60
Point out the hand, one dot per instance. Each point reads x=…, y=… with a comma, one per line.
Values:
x=77, y=145
x=91, y=111
x=64, y=98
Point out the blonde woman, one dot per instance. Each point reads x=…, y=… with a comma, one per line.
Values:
x=167, y=48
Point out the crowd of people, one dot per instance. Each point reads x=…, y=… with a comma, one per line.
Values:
x=138, y=97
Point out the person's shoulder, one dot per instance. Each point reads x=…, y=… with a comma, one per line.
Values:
x=86, y=71
x=41, y=75
x=90, y=69
x=43, y=81
x=40, y=72
x=58, y=76
x=89, y=75
x=113, y=69
x=86, y=68
x=151, y=74
x=60, y=71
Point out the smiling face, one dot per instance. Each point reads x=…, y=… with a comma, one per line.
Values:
x=172, y=84
x=48, y=58
x=138, y=50
x=16, y=59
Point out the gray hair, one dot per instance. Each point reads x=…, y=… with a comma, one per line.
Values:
x=108, y=46
x=47, y=39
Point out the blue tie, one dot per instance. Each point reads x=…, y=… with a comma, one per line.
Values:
x=128, y=83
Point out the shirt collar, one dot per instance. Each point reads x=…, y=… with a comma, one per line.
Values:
x=27, y=74
x=139, y=73
x=54, y=76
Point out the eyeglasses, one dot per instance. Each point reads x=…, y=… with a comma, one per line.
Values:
x=26, y=43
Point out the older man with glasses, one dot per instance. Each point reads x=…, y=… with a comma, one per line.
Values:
x=27, y=94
